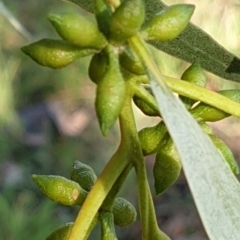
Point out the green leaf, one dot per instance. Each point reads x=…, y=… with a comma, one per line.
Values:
x=102, y=11
x=193, y=45
x=215, y=189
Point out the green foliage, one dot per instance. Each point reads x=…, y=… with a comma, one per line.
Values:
x=212, y=56
x=178, y=139
x=204, y=49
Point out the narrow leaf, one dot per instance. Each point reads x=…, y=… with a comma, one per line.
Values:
x=215, y=189
x=195, y=45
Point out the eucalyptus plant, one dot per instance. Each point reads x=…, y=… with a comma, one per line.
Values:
x=118, y=35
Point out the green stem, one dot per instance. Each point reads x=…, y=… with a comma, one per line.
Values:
x=192, y=91
x=142, y=93
x=150, y=228
x=107, y=226
x=198, y=93
x=110, y=174
x=149, y=224
x=204, y=95
x=188, y=90
x=92, y=226
x=108, y=202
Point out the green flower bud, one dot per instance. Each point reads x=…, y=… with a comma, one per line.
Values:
x=144, y=98
x=226, y=153
x=107, y=226
x=129, y=60
x=167, y=167
x=207, y=113
x=83, y=175
x=60, y=189
x=98, y=66
x=61, y=233
x=169, y=23
x=110, y=93
x=124, y=212
x=126, y=20
x=55, y=53
x=151, y=138
x=78, y=29
x=195, y=75
x=103, y=11
x=145, y=108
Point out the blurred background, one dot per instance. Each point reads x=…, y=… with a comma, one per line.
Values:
x=47, y=120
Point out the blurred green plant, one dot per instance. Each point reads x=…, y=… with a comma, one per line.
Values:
x=21, y=219
x=7, y=106
x=32, y=85
x=10, y=123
